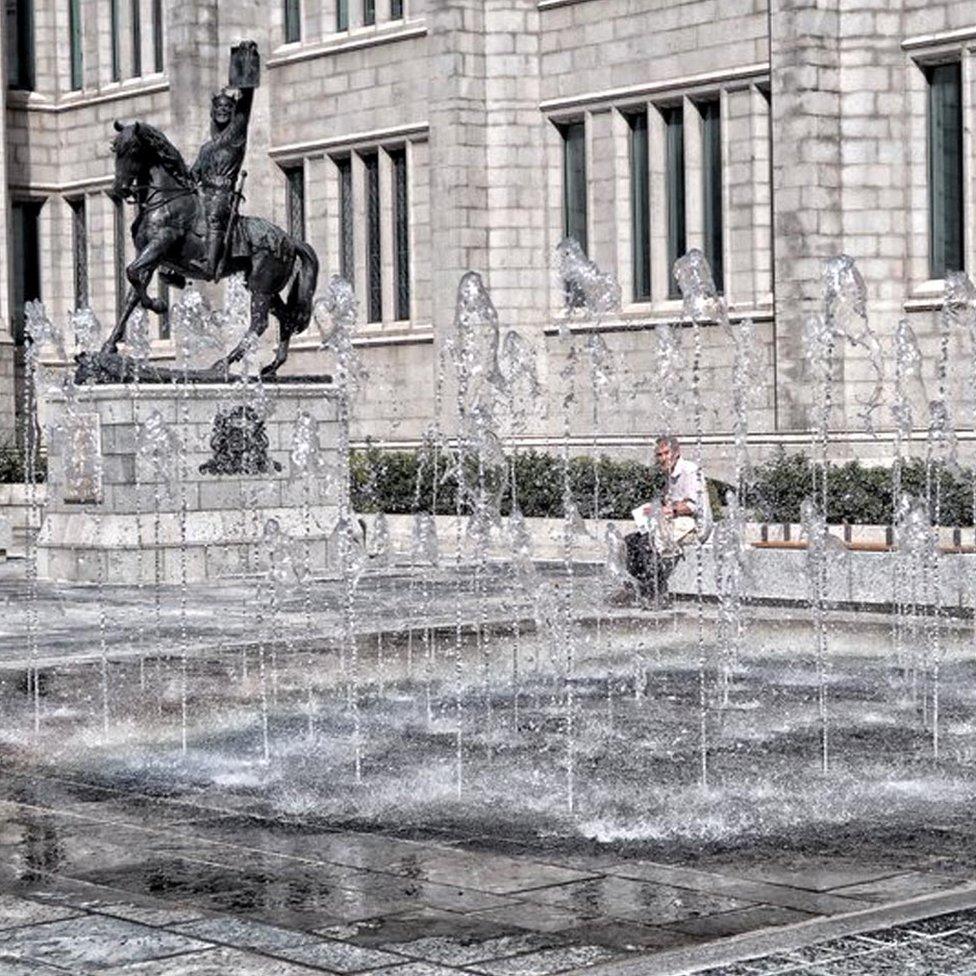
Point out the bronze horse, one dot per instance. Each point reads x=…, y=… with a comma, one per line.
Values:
x=150, y=171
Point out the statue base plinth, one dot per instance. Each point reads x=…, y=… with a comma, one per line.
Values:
x=115, y=516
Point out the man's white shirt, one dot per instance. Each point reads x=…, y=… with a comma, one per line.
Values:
x=685, y=484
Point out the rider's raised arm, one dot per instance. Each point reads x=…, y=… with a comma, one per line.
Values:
x=242, y=114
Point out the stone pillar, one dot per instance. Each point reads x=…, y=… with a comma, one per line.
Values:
x=195, y=70
x=518, y=245
x=8, y=407
x=876, y=130
x=487, y=157
x=458, y=162
x=805, y=71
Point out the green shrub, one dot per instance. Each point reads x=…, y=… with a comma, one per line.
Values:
x=13, y=464
x=856, y=494
x=401, y=482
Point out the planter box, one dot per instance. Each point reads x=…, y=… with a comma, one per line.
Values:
x=15, y=511
x=775, y=573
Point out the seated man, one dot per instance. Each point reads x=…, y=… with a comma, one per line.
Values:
x=683, y=517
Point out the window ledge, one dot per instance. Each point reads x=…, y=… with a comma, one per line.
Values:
x=926, y=297
x=115, y=91
x=21, y=98
x=396, y=334
x=551, y=4
x=352, y=40
x=636, y=319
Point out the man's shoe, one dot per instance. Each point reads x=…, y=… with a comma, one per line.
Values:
x=659, y=601
x=625, y=596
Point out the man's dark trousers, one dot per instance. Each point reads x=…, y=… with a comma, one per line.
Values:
x=649, y=568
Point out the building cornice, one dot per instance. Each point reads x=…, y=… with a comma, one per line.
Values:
x=942, y=38
x=91, y=185
x=354, y=40
x=744, y=75
x=551, y=4
x=649, y=322
x=35, y=102
x=419, y=335
x=638, y=441
x=299, y=150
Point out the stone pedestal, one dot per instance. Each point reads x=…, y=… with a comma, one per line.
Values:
x=118, y=515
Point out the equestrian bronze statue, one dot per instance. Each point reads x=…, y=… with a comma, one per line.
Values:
x=187, y=226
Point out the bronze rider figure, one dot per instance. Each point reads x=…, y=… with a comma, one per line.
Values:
x=218, y=164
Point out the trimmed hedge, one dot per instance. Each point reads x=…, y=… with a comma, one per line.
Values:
x=388, y=481
x=856, y=494
x=13, y=465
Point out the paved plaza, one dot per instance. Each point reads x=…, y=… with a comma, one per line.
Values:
x=116, y=857
x=95, y=881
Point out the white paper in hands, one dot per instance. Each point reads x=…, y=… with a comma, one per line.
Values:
x=669, y=534
x=646, y=515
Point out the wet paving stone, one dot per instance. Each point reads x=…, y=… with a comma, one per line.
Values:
x=214, y=962
x=460, y=951
x=725, y=924
x=15, y=912
x=147, y=915
x=646, y=902
x=390, y=931
x=244, y=934
x=338, y=957
x=899, y=887
x=546, y=962
x=416, y=969
x=11, y=968
x=92, y=942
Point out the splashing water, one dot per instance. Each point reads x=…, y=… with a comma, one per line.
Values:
x=846, y=315
x=86, y=329
x=701, y=304
x=335, y=316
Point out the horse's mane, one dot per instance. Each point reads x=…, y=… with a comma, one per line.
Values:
x=169, y=156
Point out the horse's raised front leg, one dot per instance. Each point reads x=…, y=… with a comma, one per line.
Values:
x=141, y=270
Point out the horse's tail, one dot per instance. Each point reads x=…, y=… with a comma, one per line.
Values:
x=298, y=307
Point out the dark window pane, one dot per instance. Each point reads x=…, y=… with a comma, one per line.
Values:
x=574, y=182
x=640, y=192
x=120, y=233
x=293, y=21
x=342, y=15
x=346, y=260
x=674, y=175
x=79, y=242
x=159, y=56
x=136, y=38
x=74, y=32
x=369, y=12
x=26, y=261
x=116, y=65
x=396, y=9
x=712, y=189
x=295, y=188
x=945, y=169
x=20, y=44
x=401, y=233
x=374, y=288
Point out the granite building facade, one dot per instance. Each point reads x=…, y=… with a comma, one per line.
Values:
x=412, y=140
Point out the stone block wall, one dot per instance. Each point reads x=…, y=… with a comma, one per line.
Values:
x=823, y=120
